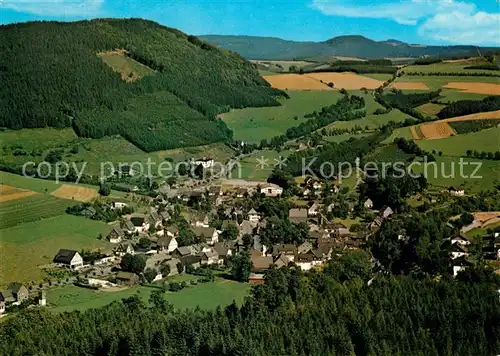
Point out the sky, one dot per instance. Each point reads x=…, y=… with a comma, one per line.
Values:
x=440, y=22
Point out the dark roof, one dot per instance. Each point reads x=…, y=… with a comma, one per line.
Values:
x=118, y=231
x=206, y=232
x=221, y=248
x=164, y=240
x=287, y=248
x=126, y=275
x=297, y=213
x=128, y=225
x=190, y=260
x=64, y=256
x=183, y=251
x=15, y=287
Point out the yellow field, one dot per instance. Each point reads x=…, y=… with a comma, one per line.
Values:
x=479, y=116
x=409, y=86
x=436, y=130
x=477, y=88
x=348, y=81
x=295, y=82
x=73, y=192
x=8, y=193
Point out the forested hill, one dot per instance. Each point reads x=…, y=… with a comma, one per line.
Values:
x=349, y=46
x=154, y=85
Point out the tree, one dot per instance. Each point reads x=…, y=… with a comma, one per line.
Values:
x=150, y=274
x=230, y=233
x=105, y=190
x=133, y=263
x=180, y=267
x=157, y=299
x=198, y=172
x=144, y=242
x=241, y=266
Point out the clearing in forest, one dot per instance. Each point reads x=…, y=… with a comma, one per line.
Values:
x=73, y=192
x=436, y=130
x=474, y=87
x=348, y=81
x=295, y=82
x=409, y=86
x=130, y=69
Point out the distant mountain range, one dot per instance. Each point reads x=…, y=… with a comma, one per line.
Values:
x=273, y=48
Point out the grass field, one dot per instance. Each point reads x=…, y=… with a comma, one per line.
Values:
x=485, y=140
x=25, y=247
x=403, y=132
x=250, y=168
x=388, y=153
x=343, y=137
x=436, y=82
x=379, y=76
x=204, y=295
x=372, y=121
x=430, y=109
x=33, y=208
x=447, y=68
x=129, y=69
x=255, y=124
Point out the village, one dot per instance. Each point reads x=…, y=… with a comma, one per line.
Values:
x=199, y=228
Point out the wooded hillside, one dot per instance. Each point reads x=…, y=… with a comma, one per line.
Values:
x=52, y=75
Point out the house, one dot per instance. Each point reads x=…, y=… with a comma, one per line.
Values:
x=458, y=192
x=253, y=216
x=224, y=250
x=377, y=223
x=260, y=263
x=126, y=278
x=297, y=215
x=2, y=306
x=317, y=234
x=271, y=190
x=306, y=192
x=69, y=258
x=200, y=220
x=386, y=211
x=116, y=235
x=205, y=162
x=207, y=234
x=240, y=192
x=127, y=226
x=289, y=250
x=256, y=278
x=181, y=252
x=172, y=231
x=18, y=291
x=154, y=219
x=7, y=297
x=210, y=257
x=165, y=216
x=305, y=261
x=329, y=207
x=460, y=264
x=190, y=260
x=104, y=260
x=140, y=223
x=258, y=246
x=214, y=191
x=458, y=250
x=167, y=243
x=124, y=249
x=304, y=247
x=368, y=204
x=246, y=228
x=313, y=210
x=117, y=205
x=281, y=261
x=461, y=240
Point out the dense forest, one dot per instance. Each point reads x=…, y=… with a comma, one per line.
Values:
x=333, y=312
x=52, y=75
x=466, y=107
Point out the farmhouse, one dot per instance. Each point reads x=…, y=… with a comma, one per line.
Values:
x=124, y=249
x=208, y=234
x=69, y=258
x=167, y=243
x=181, y=252
x=210, y=257
x=253, y=216
x=127, y=226
x=15, y=292
x=271, y=190
x=140, y=222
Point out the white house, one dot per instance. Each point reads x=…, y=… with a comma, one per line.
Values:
x=167, y=243
x=124, y=249
x=69, y=258
x=253, y=216
x=116, y=235
x=271, y=190
x=313, y=210
x=368, y=204
x=458, y=251
x=117, y=205
x=208, y=234
x=458, y=192
x=211, y=257
x=461, y=240
x=140, y=222
x=204, y=162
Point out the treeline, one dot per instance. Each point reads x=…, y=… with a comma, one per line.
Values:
x=427, y=61
x=451, y=74
x=357, y=68
x=74, y=87
x=484, y=67
x=407, y=102
x=462, y=127
x=409, y=146
x=333, y=312
x=374, y=62
x=466, y=107
x=494, y=156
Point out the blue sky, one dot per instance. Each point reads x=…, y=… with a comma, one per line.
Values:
x=414, y=21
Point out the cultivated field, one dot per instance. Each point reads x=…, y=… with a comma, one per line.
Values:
x=479, y=116
x=449, y=67
x=484, y=140
x=11, y=193
x=435, y=130
x=409, y=86
x=430, y=109
x=32, y=244
x=475, y=87
x=295, y=82
x=32, y=208
x=437, y=82
x=348, y=81
x=74, y=192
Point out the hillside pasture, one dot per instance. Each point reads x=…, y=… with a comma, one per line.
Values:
x=475, y=87
x=30, y=208
x=295, y=82
x=34, y=244
x=74, y=192
x=436, y=130
x=255, y=124
x=348, y=81
x=253, y=170
x=371, y=121
x=430, y=109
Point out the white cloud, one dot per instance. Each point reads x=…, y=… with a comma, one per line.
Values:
x=443, y=20
x=54, y=7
